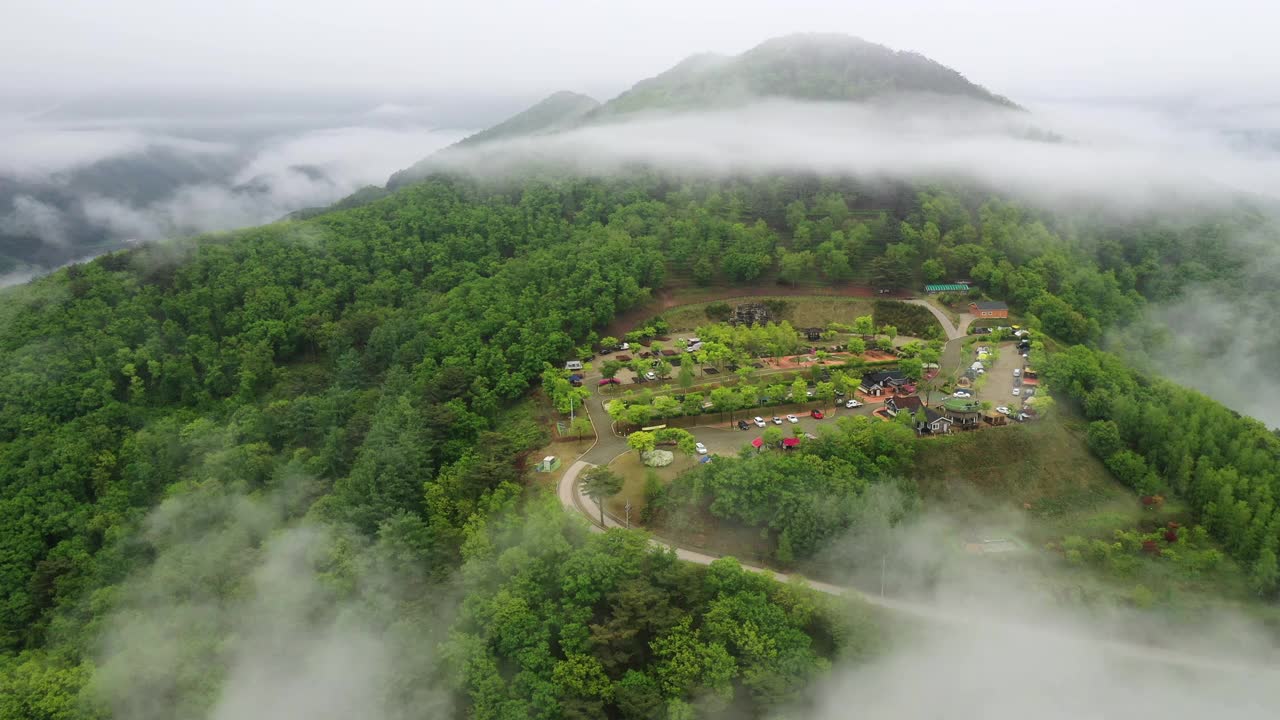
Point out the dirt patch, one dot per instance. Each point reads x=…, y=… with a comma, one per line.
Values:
x=792, y=362
x=666, y=299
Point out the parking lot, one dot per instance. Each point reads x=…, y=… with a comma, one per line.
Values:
x=724, y=438
x=997, y=387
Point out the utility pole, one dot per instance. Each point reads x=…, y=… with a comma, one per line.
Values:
x=883, y=561
x=627, y=507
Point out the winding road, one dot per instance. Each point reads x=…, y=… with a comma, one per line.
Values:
x=608, y=446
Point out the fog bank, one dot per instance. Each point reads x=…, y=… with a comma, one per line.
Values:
x=1060, y=156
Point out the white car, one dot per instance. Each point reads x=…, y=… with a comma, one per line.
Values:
x=702, y=449
x=853, y=404
x=1016, y=392
x=793, y=419
x=1017, y=372
x=808, y=393
x=1003, y=410
x=962, y=394
x=759, y=421
x=624, y=346
x=777, y=420
x=651, y=375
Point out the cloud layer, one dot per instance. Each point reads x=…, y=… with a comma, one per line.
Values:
x=1057, y=156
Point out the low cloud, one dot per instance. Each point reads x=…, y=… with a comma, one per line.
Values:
x=1059, y=156
x=33, y=217
x=980, y=637
x=313, y=169
x=159, y=185
x=246, y=614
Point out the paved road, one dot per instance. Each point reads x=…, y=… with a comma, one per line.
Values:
x=954, y=332
x=571, y=499
x=952, y=357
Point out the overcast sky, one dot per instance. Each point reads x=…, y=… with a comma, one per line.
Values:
x=1027, y=50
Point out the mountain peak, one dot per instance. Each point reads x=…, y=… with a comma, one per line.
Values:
x=802, y=66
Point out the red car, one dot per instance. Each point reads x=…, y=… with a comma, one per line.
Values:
x=609, y=381
x=816, y=414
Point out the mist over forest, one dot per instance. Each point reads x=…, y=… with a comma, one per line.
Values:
x=481, y=374
x=84, y=177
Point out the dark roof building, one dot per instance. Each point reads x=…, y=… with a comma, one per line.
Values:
x=989, y=309
x=908, y=404
x=876, y=383
x=934, y=422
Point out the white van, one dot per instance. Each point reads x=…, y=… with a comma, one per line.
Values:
x=573, y=365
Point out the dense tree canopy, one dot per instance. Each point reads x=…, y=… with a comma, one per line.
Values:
x=377, y=351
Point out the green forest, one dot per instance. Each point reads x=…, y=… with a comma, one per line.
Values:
x=355, y=375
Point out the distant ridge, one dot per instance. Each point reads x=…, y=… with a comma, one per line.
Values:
x=556, y=112
x=819, y=67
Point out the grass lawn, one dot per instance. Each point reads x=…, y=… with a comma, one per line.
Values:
x=633, y=473
x=567, y=452
x=800, y=311
x=1039, y=482
x=1042, y=468
x=705, y=532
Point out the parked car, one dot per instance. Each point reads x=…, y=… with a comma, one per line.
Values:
x=624, y=346
x=759, y=421
x=962, y=394
x=742, y=425
x=1002, y=410
x=1017, y=392
x=793, y=419
x=839, y=393
x=808, y=393
x=817, y=415
x=777, y=420
x=1017, y=372
x=853, y=404
x=609, y=381
x=702, y=449
x=651, y=375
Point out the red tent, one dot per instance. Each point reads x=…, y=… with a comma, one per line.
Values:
x=758, y=443
x=790, y=442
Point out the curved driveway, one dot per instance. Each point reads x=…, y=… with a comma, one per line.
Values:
x=572, y=500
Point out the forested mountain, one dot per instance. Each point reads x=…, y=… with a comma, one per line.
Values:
x=353, y=372
x=43, y=221
x=823, y=67
x=803, y=67
x=556, y=112
x=311, y=438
